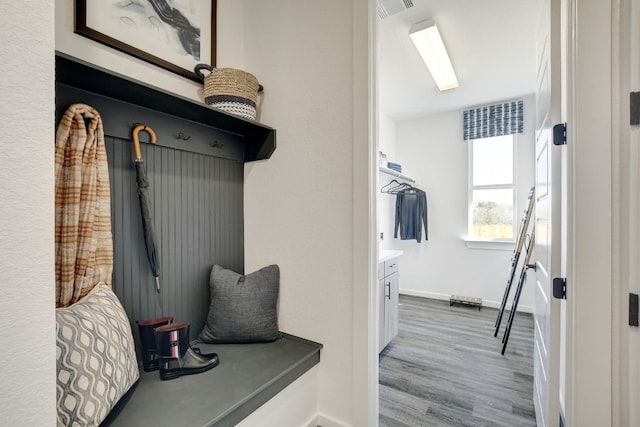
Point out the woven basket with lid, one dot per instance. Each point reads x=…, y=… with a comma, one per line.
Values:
x=231, y=90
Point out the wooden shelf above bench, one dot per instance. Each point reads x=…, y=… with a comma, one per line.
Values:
x=259, y=140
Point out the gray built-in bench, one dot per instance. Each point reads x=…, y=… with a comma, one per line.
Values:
x=196, y=182
x=248, y=375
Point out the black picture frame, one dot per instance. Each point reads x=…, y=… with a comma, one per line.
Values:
x=84, y=11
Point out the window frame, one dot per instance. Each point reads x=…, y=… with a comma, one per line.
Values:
x=471, y=239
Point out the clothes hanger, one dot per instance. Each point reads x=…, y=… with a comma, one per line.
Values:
x=400, y=187
x=384, y=188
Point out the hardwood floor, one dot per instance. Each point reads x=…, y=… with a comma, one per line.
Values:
x=445, y=368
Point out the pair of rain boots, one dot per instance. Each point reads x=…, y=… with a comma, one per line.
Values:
x=166, y=348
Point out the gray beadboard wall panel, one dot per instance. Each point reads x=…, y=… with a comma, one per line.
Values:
x=198, y=216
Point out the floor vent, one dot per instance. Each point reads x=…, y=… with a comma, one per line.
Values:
x=457, y=299
x=391, y=7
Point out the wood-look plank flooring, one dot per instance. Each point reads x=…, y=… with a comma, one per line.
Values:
x=445, y=368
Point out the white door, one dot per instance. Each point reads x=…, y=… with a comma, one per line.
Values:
x=547, y=218
x=633, y=389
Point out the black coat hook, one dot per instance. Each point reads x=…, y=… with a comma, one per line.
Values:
x=183, y=137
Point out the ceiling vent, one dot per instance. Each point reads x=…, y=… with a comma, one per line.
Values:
x=391, y=7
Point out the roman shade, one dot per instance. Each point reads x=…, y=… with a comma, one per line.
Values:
x=493, y=120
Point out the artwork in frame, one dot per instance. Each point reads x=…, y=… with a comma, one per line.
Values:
x=172, y=34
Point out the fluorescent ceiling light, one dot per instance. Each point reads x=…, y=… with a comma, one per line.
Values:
x=426, y=37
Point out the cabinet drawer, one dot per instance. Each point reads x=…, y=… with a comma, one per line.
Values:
x=381, y=270
x=390, y=267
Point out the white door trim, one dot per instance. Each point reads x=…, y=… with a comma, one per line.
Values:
x=589, y=252
x=626, y=211
x=365, y=249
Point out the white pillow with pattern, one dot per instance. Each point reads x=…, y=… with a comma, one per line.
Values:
x=95, y=358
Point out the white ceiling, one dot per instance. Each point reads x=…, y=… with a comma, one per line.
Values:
x=491, y=45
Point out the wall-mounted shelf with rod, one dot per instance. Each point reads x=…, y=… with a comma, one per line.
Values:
x=256, y=140
x=396, y=174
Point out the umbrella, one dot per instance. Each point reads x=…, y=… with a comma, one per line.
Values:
x=145, y=204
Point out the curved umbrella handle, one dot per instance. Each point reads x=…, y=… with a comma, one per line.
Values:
x=136, y=140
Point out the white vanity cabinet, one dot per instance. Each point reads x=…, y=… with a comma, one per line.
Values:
x=388, y=294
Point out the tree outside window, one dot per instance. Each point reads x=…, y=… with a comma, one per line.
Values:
x=492, y=183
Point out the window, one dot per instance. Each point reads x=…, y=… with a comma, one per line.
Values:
x=491, y=188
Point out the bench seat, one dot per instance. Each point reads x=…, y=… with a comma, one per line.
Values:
x=248, y=376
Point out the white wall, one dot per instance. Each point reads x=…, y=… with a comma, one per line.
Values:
x=298, y=204
x=432, y=151
x=387, y=136
x=385, y=203
x=27, y=324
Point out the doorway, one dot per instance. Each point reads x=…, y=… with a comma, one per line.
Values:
x=590, y=257
x=429, y=145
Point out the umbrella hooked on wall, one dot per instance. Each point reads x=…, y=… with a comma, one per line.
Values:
x=145, y=204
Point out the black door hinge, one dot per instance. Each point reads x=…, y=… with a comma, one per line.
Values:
x=560, y=288
x=633, y=310
x=560, y=134
x=634, y=108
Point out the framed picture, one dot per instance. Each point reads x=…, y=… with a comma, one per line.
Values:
x=172, y=34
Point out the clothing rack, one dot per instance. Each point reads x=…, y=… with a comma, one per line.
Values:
x=393, y=186
x=396, y=174
x=410, y=210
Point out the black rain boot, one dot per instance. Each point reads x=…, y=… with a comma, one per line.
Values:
x=177, y=358
x=150, y=358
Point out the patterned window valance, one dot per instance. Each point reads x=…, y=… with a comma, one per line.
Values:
x=493, y=120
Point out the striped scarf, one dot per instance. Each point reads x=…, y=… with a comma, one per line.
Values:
x=84, y=245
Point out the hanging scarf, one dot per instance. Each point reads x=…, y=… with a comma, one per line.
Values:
x=84, y=245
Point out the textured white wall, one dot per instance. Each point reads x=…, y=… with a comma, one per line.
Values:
x=27, y=325
x=432, y=150
x=299, y=204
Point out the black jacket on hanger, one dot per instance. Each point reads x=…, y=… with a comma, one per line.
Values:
x=411, y=214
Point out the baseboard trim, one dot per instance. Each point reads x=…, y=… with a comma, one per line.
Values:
x=445, y=297
x=322, y=420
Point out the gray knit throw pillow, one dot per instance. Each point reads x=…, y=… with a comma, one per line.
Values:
x=243, y=309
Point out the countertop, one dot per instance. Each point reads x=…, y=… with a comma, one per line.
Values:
x=387, y=254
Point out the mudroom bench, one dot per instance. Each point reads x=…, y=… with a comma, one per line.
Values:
x=196, y=173
x=248, y=376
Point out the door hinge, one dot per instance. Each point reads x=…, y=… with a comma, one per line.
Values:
x=560, y=288
x=633, y=310
x=560, y=134
x=634, y=108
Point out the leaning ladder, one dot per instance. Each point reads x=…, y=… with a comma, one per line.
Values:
x=516, y=298
x=522, y=233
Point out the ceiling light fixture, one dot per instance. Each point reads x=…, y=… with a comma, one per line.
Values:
x=426, y=37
